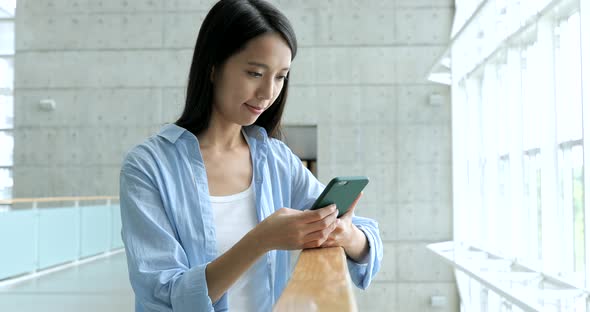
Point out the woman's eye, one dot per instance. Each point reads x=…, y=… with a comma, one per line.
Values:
x=282, y=77
x=254, y=74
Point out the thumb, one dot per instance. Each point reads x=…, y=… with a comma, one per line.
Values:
x=349, y=212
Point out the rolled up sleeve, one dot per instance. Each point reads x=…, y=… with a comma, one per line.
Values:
x=159, y=269
x=363, y=273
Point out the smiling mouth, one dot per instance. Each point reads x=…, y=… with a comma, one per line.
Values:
x=254, y=107
x=254, y=110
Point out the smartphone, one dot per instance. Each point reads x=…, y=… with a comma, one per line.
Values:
x=341, y=191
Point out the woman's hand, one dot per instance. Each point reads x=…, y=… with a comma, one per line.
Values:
x=348, y=236
x=289, y=229
x=284, y=229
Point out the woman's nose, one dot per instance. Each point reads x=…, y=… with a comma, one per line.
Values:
x=265, y=91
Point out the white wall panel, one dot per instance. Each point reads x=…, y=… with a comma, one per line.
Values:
x=380, y=296
x=379, y=143
x=356, y=26
x=411, y=27
x=379, y=104
x=424, y=143
x=424, y=221
x=389, y=266
x=388, y=219
x=420, y=265
x=123, y=6
x=182, y=28
x=424, y=3
x=123, y=31
x=423, y=182
x=416, y=297
x=171, y=103
x=306, y=25
x=414, y=62
x=188, y=5
x=304, y=106
x=414, y=107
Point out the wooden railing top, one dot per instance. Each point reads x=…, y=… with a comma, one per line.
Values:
x=55, y=199
x=320, y=282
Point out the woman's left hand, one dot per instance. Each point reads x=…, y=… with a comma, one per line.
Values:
x=348, y=236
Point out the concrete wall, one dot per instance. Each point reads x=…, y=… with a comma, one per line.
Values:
x=117, y=70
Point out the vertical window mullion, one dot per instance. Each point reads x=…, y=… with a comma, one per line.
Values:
x=531, y=203
x=548, y=139
x=569, y=135
x=579, y=216
x=460, y=164
x=515, y=151
x=504, y=162
x=538, y=209
x=585, y=68
x=6, y=101
x=566, y=212
x=475, y=167
x=494, y=215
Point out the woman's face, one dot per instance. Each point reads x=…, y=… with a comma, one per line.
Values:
x=251, y=80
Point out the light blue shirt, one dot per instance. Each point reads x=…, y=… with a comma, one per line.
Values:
x=169, y=229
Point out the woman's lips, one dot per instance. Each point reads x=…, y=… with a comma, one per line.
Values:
x=254, y=109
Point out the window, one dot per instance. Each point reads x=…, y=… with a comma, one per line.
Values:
x=520, y=86
x=531, y=68
x=7, y=9
x=532, y=201
x=568, y=103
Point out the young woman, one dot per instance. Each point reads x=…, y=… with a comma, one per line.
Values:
x=211, y=204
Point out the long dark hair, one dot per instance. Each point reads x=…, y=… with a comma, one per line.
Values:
x=228, y=26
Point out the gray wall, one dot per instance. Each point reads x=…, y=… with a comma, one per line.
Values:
x=117, y=70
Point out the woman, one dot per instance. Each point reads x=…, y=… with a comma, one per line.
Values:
x=211, y=204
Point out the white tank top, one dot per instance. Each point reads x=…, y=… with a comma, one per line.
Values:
x=235, y=215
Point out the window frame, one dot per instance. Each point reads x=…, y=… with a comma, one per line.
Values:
x=540, y=209
x=8, y=91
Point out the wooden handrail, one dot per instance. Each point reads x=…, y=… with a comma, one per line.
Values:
x=54, y=199
x=320, y=282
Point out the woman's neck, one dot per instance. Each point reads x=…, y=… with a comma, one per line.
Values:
x=221, y=136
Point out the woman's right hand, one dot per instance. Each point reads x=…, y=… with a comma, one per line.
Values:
x=285, y=229
x=289, y=229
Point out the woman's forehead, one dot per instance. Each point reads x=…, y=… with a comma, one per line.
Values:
x=268, y=50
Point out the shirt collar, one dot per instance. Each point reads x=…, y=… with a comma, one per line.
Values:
x=172, y=132
x=256, y=132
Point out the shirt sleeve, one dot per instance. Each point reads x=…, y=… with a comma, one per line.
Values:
x=363, y=272
x=159, y=270
x=305, y=189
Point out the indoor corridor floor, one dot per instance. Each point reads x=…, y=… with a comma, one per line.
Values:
x=98, y=285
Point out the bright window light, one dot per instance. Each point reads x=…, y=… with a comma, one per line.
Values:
x=518, y=155
x=7, y=8
x=7, y=77
x=7, y=11
x=6, y=37
x=7, y=143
